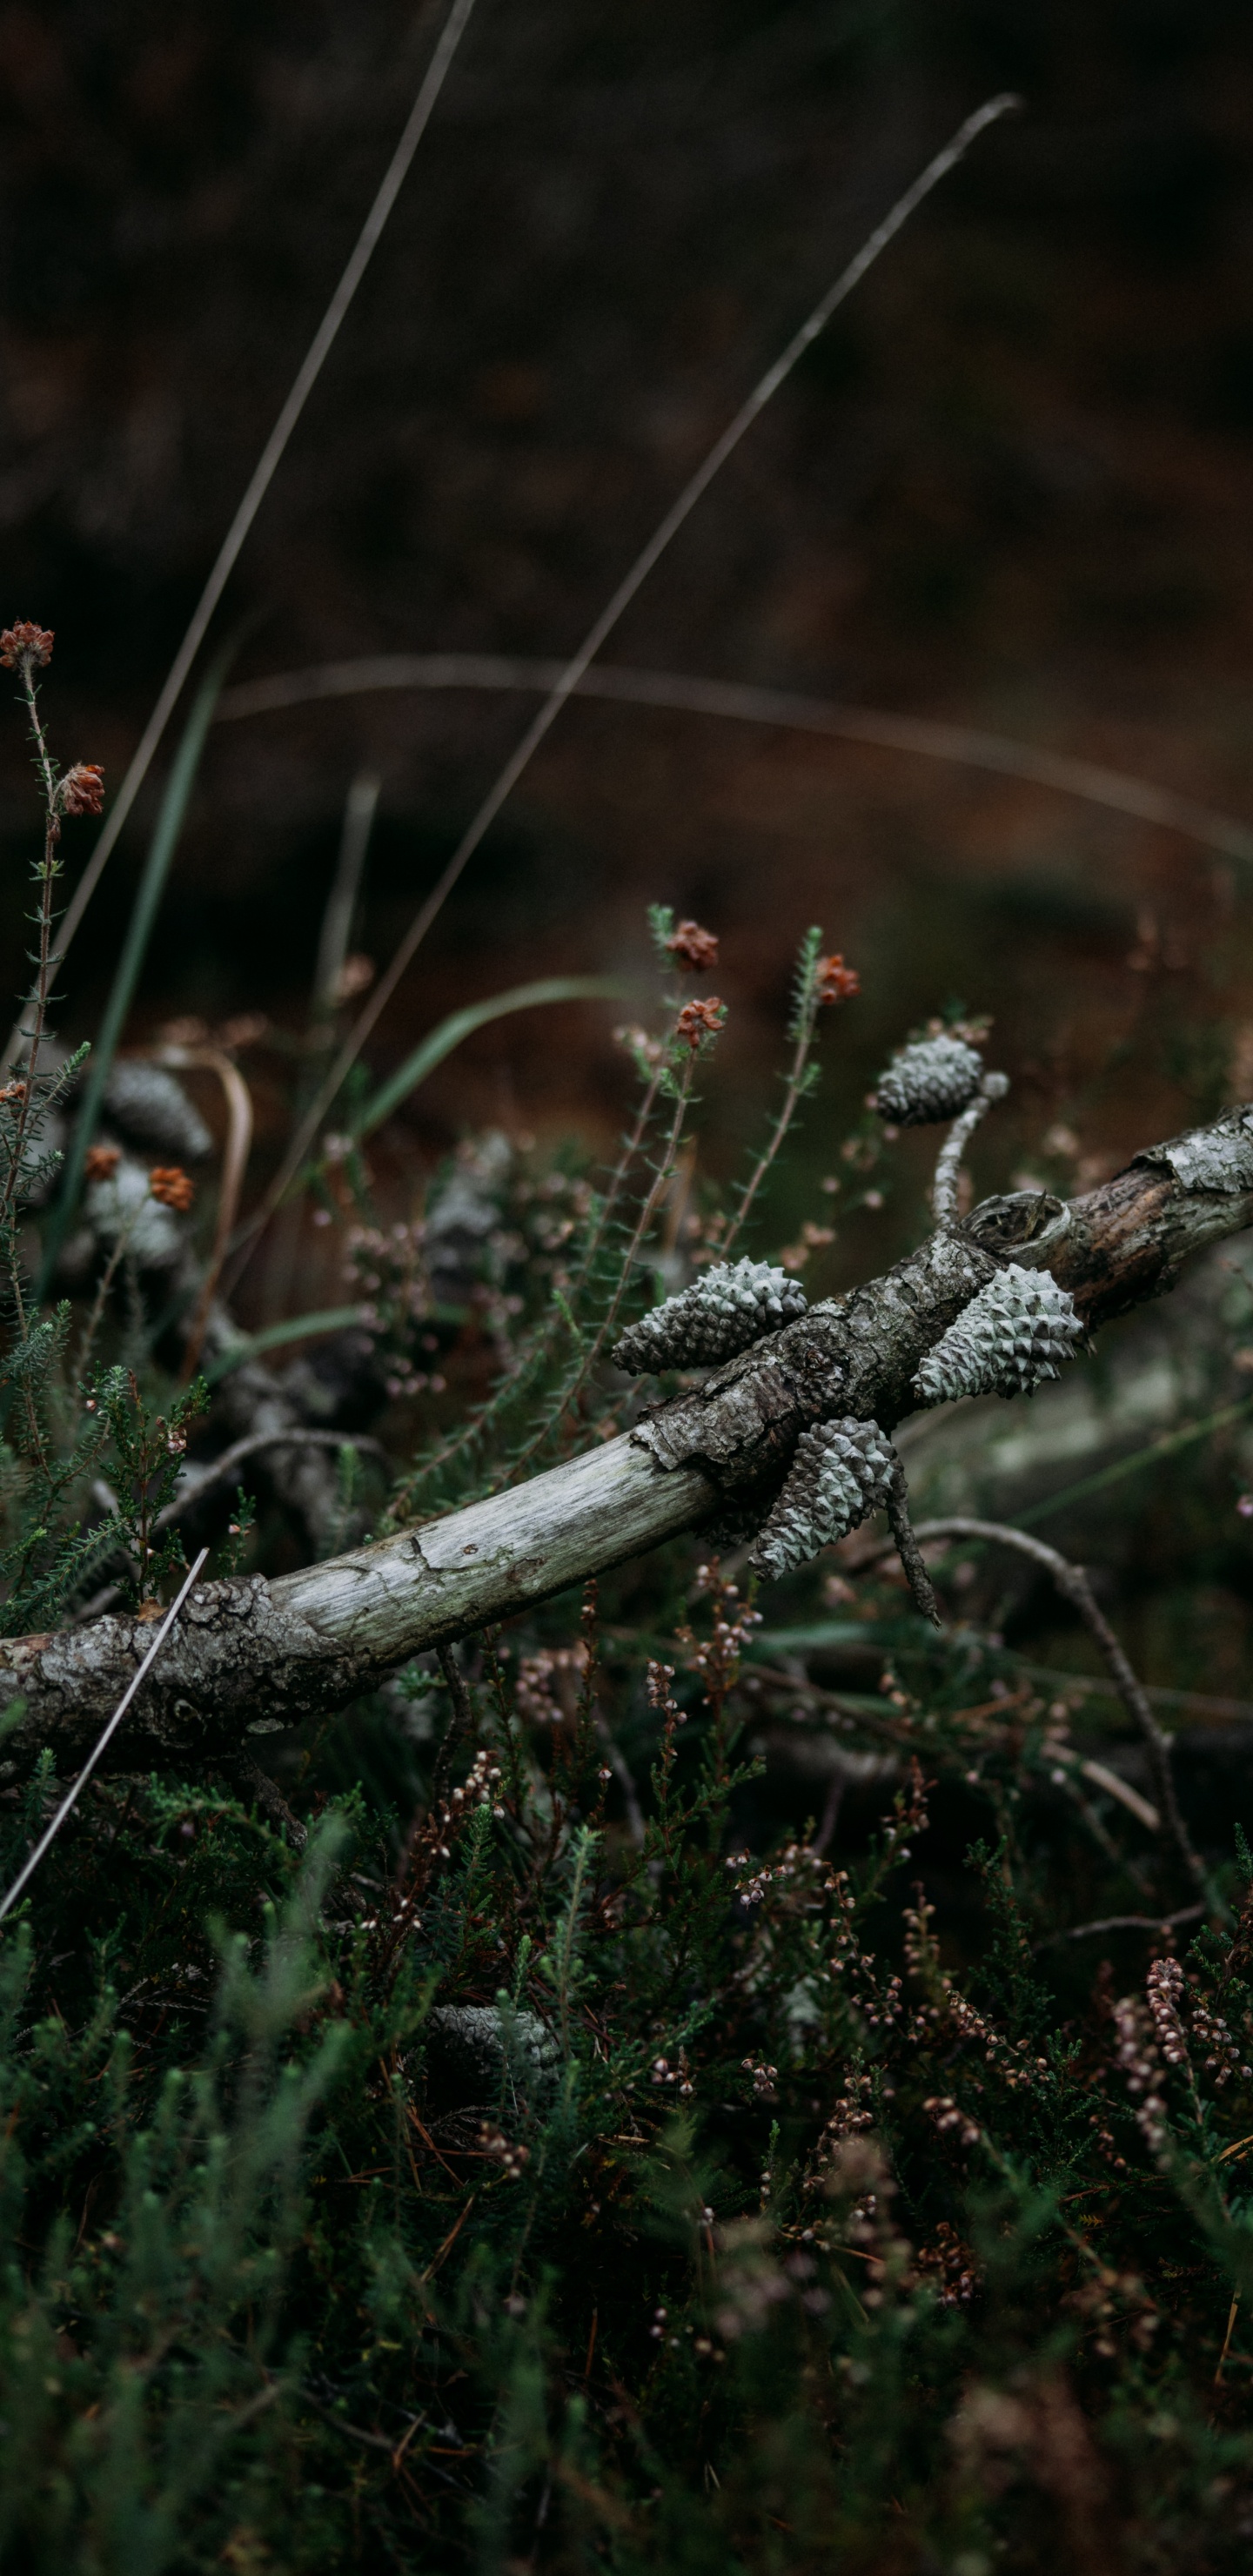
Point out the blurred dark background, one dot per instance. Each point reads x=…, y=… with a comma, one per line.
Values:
x=1009, y=489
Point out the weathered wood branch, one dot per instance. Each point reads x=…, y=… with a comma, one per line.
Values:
x=252, y=1655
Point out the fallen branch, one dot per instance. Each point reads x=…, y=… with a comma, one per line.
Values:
x=250, y=1654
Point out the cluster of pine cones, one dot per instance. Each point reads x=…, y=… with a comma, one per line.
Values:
x=1013, y=1335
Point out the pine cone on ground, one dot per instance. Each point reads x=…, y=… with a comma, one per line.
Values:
x=1012, y=1336
x=936, y=1079
x=842, y=1471
x=721, y=1313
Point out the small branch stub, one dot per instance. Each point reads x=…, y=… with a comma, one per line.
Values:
x=948, y=1167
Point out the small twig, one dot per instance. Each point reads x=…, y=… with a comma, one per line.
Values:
x=948, y=1167
x=1123, y=1923
x=220, y=1469
x=1115, y=1786
x=1073, y=1584
x=1231, y=2327
x=1234, y=2149
x=269, y=1795
x=72, y=1796
x=449, y=2241
x=905, y=1541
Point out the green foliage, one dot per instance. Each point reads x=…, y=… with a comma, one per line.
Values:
x=761, y=2235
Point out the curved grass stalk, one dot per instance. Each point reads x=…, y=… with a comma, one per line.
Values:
x=271, y=457
x=1118, y=791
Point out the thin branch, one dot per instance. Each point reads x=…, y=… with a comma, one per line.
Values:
x=271, y=456
x=219, y=1470
x=904, y=1540
x=610, y=616
x=1123, y=1923
x=1073, y=1584
x=948, y=1167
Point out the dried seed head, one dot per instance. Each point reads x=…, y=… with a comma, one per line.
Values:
x=693, y=947
x=700, y=1020
x=836, y=981
x=82, y=789
x=1012, y=1336
x=102, y=1162
x=724, y=1310
x=842, y=1471
x=26, y=645
x=174, y=1187
x=936, y=1079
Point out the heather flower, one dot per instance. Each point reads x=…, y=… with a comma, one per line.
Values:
x=102, y=1162
x=25, y=645
x=82, y=789
x=693, y=947
x=836, y=981
x=699, y=1020
x=174, y=1187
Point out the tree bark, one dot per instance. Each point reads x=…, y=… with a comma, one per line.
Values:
x=250, y=1656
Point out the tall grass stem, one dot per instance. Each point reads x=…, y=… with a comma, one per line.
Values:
x=134, y=950
x=680, y=510
x=271, y=458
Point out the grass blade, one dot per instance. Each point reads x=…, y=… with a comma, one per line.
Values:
x=439, y=1042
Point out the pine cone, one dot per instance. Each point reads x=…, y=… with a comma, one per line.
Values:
x=936, y=1079
x=842, y=1471
x=1013, y=1335
x=721, y=1313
